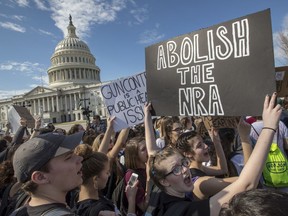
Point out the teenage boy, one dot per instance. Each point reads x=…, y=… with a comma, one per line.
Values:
x=48, y=168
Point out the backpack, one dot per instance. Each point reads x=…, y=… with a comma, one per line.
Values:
x=9, y=205
x=154, y=200
x=275, y=172
x=119, y=197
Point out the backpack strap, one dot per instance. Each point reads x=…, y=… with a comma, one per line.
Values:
x=56, y=212
x=22, y=198
x=5, y=199
x=19, y=211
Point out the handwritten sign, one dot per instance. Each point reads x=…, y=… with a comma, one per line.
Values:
x=282, y=81
x=15, y=113
x=218, y=122
x=125, y=99
x=224, y=70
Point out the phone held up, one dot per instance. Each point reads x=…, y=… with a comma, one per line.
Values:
x=133, y=179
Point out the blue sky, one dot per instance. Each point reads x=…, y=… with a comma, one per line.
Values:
x=117, y=32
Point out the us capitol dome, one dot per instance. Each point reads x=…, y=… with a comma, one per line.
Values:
x=74, y=85
x=72, y=62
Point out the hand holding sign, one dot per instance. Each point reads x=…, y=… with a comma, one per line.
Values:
x=213, y=133
x=244, y=130
x=110, y=121
x=124, y=99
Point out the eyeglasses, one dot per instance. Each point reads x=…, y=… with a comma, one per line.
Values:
x=177, y=170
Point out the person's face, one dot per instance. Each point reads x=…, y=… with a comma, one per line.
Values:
x=111, y=144
x=102, y=178
x=176, y=185
x=65, y=171
x=96, y=120
x=189, y=124
x=176, y=131
x=200, y=149
x=80, y=128
x=142, y=152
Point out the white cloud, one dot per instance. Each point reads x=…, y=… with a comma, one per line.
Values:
x=18, y=17
x=151, y=36
x=27, y=67
x=47, y=33
x=12, y=26
x=140, y=15
x=42, y=79
x=84, y=13
x=33, y=70
x=22, y=3
x=4, y=15
x=8, y=94
x=41, y=5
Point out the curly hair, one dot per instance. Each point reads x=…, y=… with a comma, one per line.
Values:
x=182, y=143
x=6, y=173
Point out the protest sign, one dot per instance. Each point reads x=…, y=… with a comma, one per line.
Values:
x=224, y=70
x=15, y=113
x=125, y=99
x=282, y=81
x=218, y=122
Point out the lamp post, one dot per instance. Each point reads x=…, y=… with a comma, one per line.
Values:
x=85, y=110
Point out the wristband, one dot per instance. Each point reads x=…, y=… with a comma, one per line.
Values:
x=269, y=129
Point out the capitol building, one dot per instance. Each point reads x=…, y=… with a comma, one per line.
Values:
x=74, y=85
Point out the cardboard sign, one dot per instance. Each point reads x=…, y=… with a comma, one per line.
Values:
x=218, y=122
x=224, y=70
x=125, y=99
x=282, y=81
x=15, y=113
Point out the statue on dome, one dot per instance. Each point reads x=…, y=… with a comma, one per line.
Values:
x=70, y=18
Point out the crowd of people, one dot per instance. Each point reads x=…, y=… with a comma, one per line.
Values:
x=182, y=168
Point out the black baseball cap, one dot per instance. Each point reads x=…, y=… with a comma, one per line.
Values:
x=36, y=152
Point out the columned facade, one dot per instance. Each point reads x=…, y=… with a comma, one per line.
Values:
x=73, y=77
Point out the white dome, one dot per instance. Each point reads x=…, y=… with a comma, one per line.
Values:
x=72, y=43
x=72, y=62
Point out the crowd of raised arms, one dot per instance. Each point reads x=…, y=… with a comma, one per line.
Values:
x=181, y=167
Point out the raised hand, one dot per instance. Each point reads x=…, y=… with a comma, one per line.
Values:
x=37, y=122
x=23, y=121
x=271, y=113
x=243, y=128
x=147, y=109
x=213, y=133
x=131, y=191
x=110, y=121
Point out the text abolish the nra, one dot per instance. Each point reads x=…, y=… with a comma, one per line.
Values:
x=196, y=70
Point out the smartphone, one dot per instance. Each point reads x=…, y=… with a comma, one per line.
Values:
x=133, y=179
